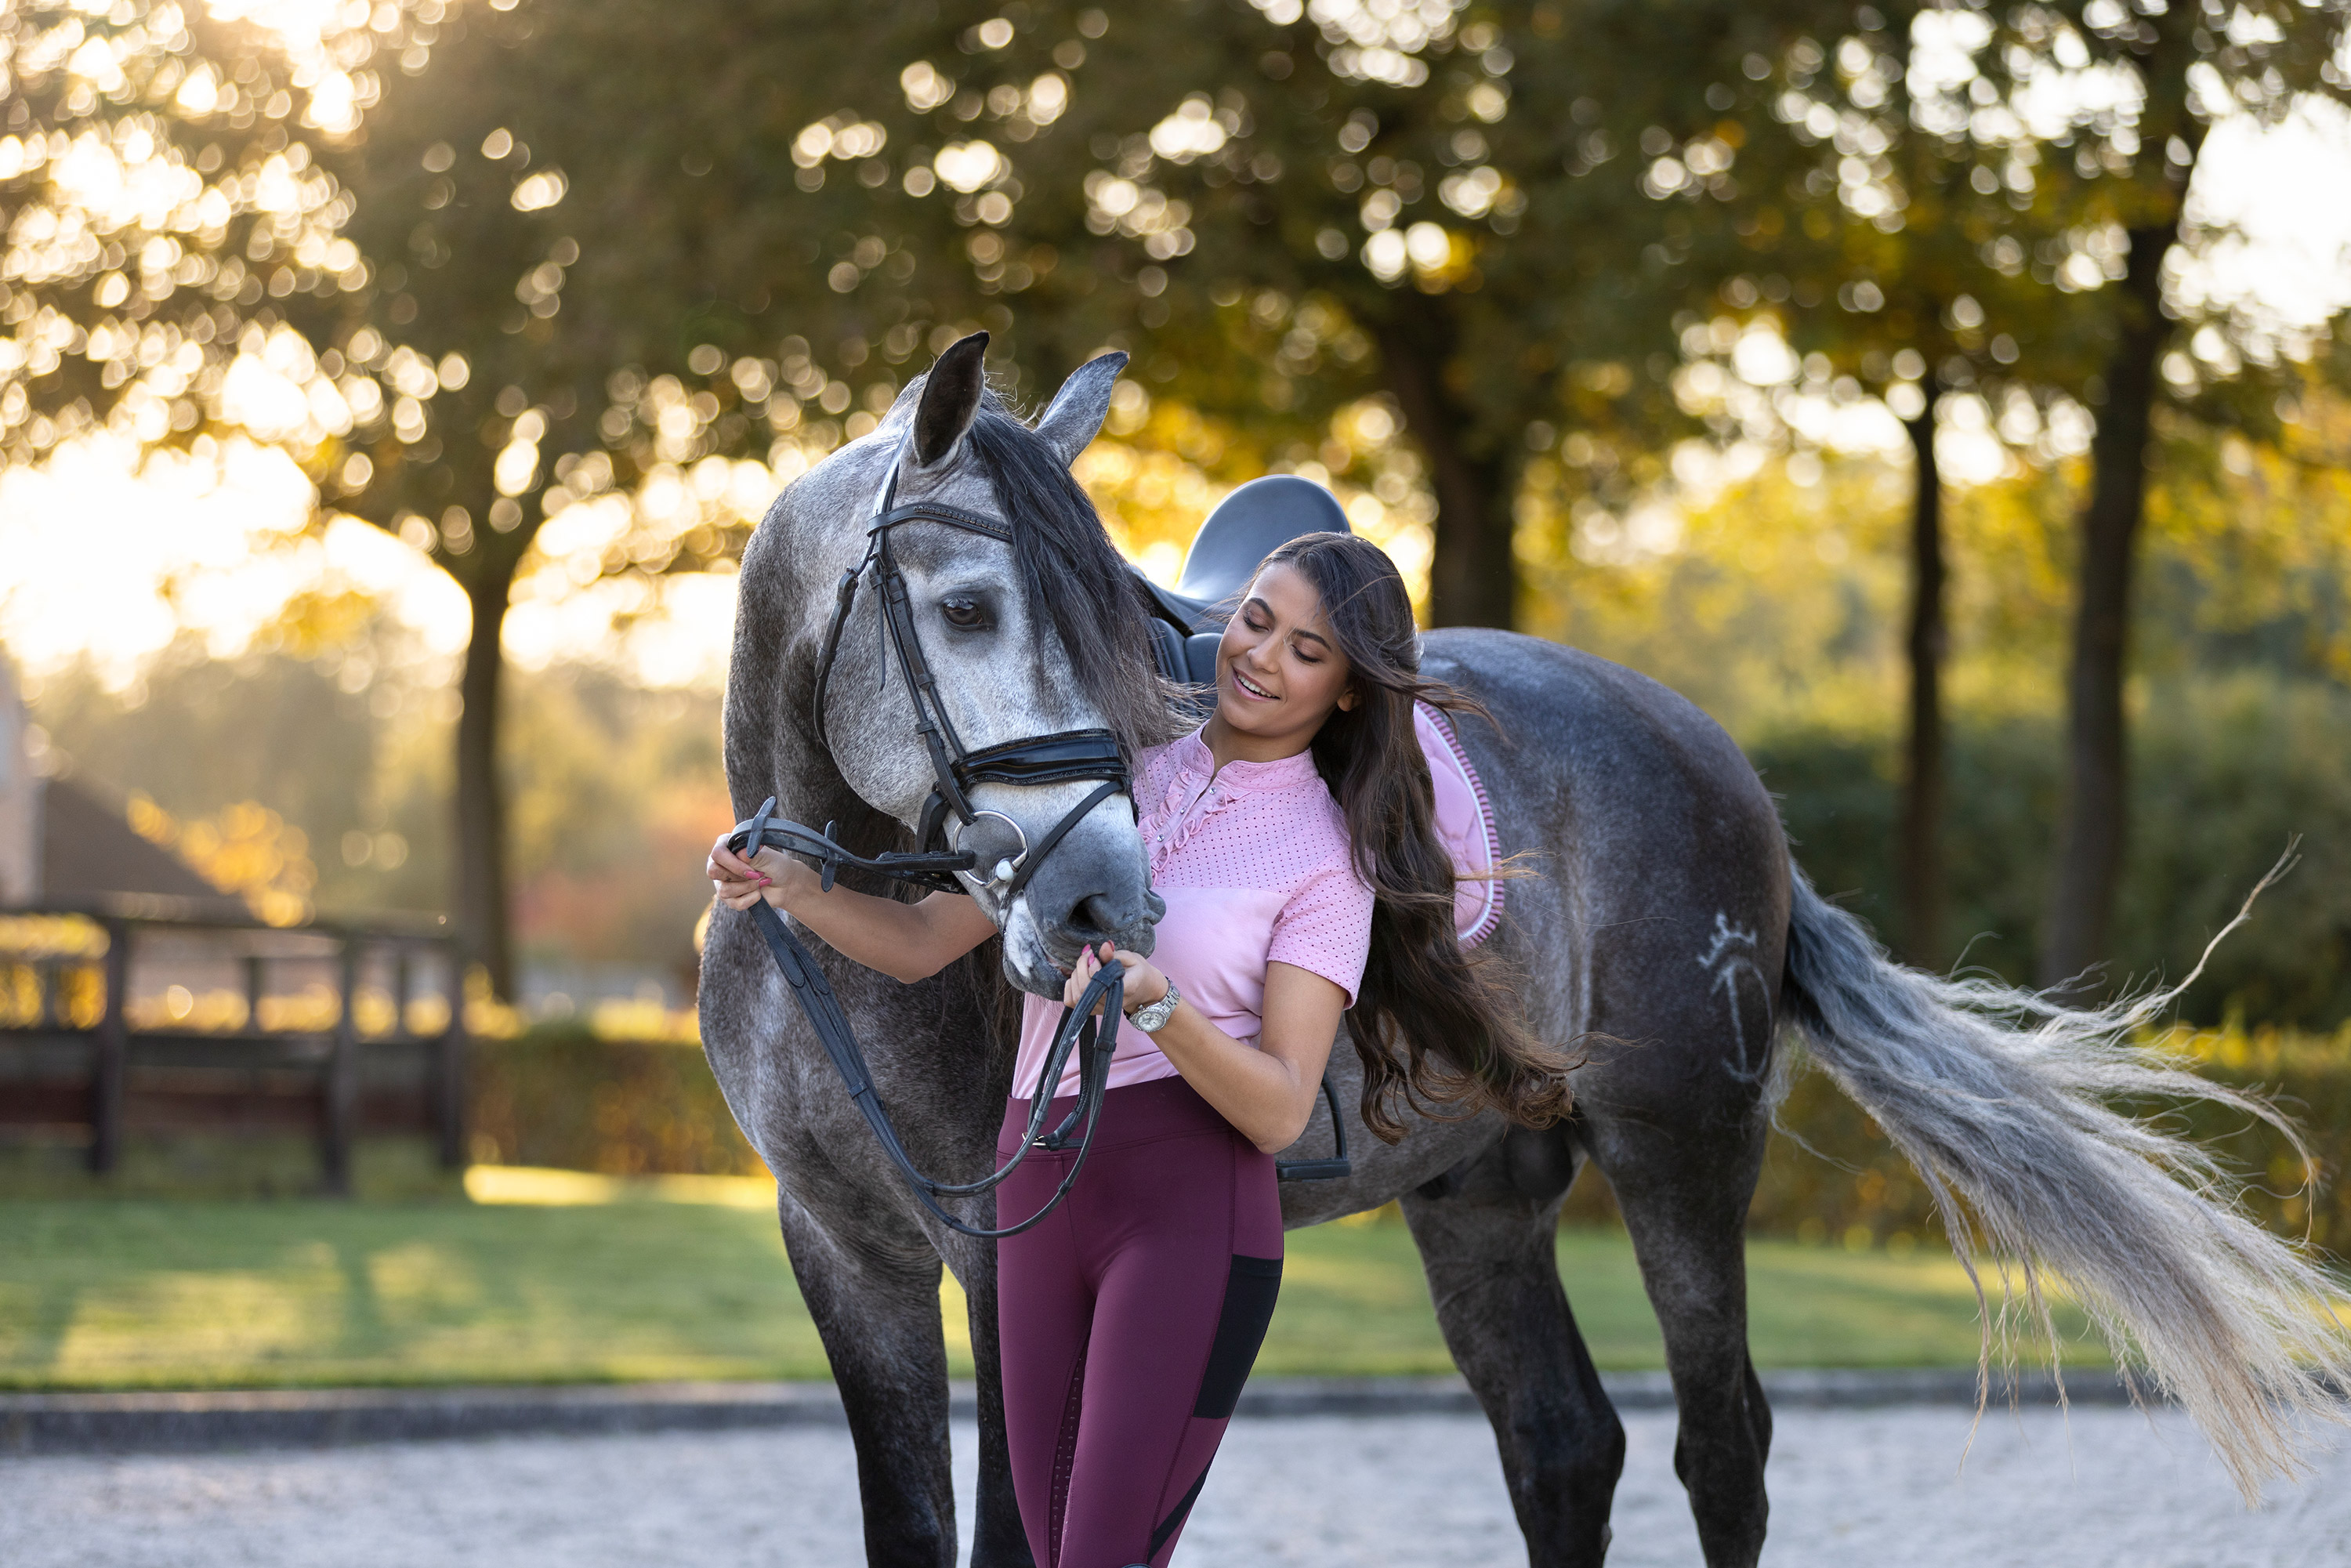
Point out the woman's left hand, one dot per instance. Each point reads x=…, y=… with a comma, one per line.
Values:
x=1145, y=983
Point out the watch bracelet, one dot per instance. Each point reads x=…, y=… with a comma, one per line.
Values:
x=1165, y=1006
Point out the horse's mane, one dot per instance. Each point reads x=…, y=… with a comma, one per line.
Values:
x=1066, y=562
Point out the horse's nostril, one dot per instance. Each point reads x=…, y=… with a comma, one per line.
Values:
x=1096, y=918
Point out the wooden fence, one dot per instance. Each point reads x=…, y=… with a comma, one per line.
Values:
x=146, y=1015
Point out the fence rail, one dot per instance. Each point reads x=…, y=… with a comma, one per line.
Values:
x=92, y=1044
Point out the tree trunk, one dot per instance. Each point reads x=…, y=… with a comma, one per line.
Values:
x=483, y=917
x=2092, y=829
x=1473, y=575
x=1919, y=855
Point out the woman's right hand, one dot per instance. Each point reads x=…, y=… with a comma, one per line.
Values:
x=772, y=874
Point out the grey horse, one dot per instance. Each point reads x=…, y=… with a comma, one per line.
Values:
x=1667, y=934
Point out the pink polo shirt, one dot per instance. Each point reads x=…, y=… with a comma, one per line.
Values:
x=1254, y=862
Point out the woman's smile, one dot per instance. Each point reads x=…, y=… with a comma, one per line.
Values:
x=1250, y=689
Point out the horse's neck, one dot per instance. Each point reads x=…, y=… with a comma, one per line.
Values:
x=809, y=788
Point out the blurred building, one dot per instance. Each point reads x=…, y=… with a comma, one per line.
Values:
x=66, y=840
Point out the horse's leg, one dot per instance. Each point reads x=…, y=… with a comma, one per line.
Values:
x=998, y=1540
x=1684, y=1189
x=1489, y=1247
x=877, y=1307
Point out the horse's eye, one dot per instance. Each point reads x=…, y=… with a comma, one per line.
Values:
x=963, y=612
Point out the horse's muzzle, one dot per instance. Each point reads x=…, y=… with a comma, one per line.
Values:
x=1074, y=903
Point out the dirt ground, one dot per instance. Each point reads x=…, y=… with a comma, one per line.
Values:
x=2104, y=1486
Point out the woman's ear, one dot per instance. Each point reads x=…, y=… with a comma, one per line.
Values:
x=1347, y=700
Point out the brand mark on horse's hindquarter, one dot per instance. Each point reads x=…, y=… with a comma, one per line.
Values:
x=1728, y=957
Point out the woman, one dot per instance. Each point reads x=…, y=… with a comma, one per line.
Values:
x=1291, y=837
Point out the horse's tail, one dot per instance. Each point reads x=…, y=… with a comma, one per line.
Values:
x=1998, y=1097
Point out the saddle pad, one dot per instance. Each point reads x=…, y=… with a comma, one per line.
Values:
x=1465, y=823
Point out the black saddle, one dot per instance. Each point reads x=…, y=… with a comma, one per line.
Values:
x=1247, y=526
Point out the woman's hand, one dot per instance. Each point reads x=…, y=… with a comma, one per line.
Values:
x=772, y=874
x=1145, y=983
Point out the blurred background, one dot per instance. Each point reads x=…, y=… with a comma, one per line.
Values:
x=1954, y=399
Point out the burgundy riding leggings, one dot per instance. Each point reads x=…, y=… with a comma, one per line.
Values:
x=1129, y=1319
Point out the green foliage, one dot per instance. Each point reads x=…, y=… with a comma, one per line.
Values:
x=1836, y=794
x=567, y=1100
x=614, y=792
x=2225, y=772
x=157, y=169
x=196, y=735
x=618, y=794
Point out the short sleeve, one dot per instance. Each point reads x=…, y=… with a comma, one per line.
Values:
x=1326, y=928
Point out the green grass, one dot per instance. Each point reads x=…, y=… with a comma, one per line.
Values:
x=131, y=1294
x=1354, y=1302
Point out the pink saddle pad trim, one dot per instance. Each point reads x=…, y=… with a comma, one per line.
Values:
x=1464, y=822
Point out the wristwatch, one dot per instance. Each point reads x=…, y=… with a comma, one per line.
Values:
x=1154, y=1018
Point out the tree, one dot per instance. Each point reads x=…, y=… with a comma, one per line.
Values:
x=565, y=318
x=163, y=206
x=1868, y=227
x=460, y=328
x=1981, y=177
x=2124, y=189
x=1354, y=205
x=1278, y=216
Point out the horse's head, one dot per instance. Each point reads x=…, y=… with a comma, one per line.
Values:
x=1035, y=637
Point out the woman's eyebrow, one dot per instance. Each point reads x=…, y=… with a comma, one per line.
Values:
x=1257, y=603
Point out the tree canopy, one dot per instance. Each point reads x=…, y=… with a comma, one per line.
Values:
x=514, y=275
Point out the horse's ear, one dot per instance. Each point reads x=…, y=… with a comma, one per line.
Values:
x=1076, y=416
x=950, y=397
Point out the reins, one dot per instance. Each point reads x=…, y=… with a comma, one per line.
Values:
x=1078, y=1027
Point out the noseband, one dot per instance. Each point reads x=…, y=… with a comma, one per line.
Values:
x=1071, y=755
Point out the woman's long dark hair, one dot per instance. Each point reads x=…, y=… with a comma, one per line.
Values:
x=1430, y=1024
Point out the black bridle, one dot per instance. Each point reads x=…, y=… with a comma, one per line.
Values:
x=1071, y=755
x=1059, y=758
x=934, y=863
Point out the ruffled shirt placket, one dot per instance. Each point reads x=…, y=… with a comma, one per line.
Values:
x=1200, y=791
x=1179, y=820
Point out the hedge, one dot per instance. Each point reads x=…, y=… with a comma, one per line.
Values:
x=569, y=1100
x=1858, y=1188
x=2224, y=773
x=565, y=1098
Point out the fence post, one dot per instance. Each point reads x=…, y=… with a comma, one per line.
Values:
x=257, y=986
x=403, y=985
x=449, y=1068
x=341, y=1086
x=111, y=1054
